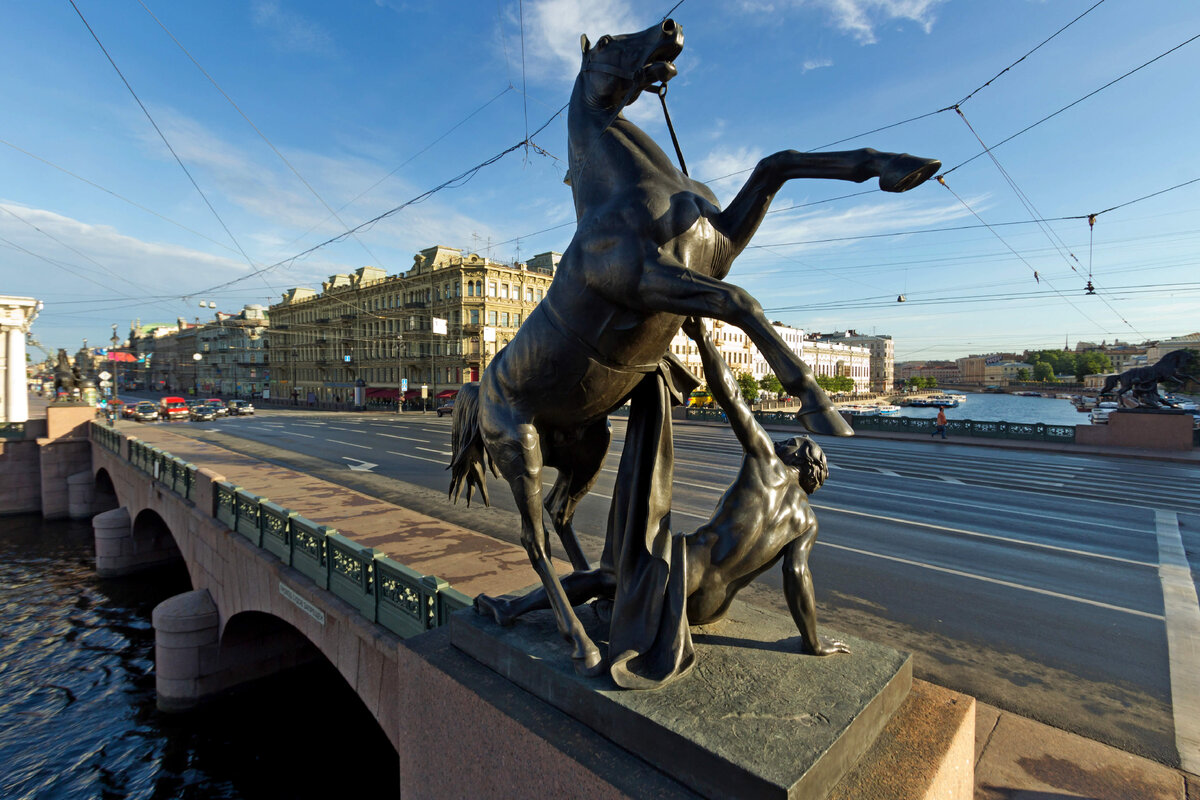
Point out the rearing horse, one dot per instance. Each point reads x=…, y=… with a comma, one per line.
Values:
x=650, y=248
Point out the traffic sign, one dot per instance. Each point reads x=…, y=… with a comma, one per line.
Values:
x=105, y=375
x=104, y=384
x=404, y=384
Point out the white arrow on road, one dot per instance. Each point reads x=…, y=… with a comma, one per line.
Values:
x=361, y=466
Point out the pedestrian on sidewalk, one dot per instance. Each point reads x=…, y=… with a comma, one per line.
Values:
x=940, y=423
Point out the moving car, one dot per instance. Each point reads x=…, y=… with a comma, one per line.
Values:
x=239, y=407
x=446, y=408
x=145, y=412
x=219, y=404
x=203, y=412
x=172, y=408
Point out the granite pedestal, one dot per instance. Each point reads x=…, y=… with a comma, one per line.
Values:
x=755, y=718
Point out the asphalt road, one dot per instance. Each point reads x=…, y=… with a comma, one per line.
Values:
x=1030, y=580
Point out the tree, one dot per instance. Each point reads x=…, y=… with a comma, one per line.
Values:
x=749, y=387
x=1023, y=374
x=1042, y=372
x=1093, y=362
x=770, y=383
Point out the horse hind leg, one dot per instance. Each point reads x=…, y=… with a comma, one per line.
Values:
x=579, y=468
x=520, y=461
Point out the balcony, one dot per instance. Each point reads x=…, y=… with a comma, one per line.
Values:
x=418, y=304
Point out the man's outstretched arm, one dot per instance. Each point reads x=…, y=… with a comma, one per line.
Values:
x=727, y=393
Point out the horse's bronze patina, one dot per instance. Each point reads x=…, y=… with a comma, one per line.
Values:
x=1142, y=382
x=651, y=247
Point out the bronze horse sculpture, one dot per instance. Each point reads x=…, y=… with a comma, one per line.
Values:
x=651, y=248
x=1143, y=381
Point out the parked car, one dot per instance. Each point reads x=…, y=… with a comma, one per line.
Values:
x=219, y=404
x=446, y=408
x=1100, y=413
x=203, y=412
x=145, y=412
x=237, y=408
x=172, y=408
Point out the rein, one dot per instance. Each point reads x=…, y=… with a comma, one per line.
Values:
x=635, y=79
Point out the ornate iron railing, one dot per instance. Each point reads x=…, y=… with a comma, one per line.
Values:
x=387, y=592
x=1029, y=431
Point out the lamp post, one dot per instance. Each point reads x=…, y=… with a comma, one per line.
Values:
x=196, y=374
x=112, y=355
x=399, y=372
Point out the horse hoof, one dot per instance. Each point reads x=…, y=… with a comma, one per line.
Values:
x=825, y=421
x=485, y=605
x=590, y=664
x=905, y=172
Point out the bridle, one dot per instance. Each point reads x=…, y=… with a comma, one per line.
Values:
x=635, y=77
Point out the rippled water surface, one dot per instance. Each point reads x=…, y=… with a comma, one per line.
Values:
x=77, y=712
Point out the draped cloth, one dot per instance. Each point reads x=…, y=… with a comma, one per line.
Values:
x=650, y=644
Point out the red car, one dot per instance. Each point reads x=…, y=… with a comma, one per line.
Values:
x=172, y=408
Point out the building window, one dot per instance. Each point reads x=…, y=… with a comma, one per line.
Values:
x=529, y=294
x=491, y=317
x=503, y=319
x=504, y=291
x=474, y=316
x=491, y=289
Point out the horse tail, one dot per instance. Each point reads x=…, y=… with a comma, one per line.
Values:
x=470, y=460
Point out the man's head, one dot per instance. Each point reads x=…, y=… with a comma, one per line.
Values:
x=806, y=456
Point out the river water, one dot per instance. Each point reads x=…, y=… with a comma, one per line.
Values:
x=77, y=712
x=982, y=407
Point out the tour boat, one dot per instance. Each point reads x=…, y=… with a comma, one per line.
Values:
x=887, y=410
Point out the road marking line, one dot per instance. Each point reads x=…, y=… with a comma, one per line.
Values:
x=349, y=444
x=405, y=438
x=883, y=471
x=998, y=581
x=298, y=433
x=981, y=535
x=418, y=458
x=348, y=430
x=1182, y=612
x=439, y=452
x=948, y=479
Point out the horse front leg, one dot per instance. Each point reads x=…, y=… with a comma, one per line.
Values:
x=897, y=172
x=675, y=289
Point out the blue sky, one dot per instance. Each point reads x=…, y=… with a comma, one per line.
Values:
x=358, y=107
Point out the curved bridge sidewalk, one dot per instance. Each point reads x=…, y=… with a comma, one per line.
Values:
x=471, y=562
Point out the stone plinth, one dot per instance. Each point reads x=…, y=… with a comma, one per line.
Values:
x=754, y=719
x=1166, y=429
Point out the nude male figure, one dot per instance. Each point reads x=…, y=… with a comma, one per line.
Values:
x=763, y=517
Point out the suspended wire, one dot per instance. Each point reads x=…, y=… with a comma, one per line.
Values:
x=503, y=43
x=457, y=180
x=256, y=129
x=1021, y=258
x=1075, y=103
x=408, y=160
x=122, y=198
x=161, y=135
x=524, y=92
x=1055, y=240
x=1027, y=55
x=1140, y=199
x=672, y=11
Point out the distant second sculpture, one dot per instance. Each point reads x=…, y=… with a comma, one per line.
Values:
x=651, y=248
x=1141, y=383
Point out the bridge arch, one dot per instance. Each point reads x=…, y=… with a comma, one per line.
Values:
x=104, y=492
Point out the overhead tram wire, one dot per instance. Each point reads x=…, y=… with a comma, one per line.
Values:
x=162, y=136
x=1072, y=104
x=256, y=129
x=120, y=197
x=458, y=180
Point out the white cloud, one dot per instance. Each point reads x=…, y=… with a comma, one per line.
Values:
x=861, y=18
x=290, y=31
x=552, y=29
x=816, y=63
x=722, y=161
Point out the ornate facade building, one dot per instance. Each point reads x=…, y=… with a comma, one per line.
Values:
x=435, y=326
x=231, y=350
x=826, y=358
x=883, y=356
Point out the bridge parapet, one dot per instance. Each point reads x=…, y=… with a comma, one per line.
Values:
x=384, y=591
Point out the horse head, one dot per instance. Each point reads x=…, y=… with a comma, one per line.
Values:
x=617, y=68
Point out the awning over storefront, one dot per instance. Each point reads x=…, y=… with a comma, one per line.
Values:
x=447, y=394
x=381, y=393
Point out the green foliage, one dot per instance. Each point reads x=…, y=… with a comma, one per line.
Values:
x=1092, y=363
x=1023, y=374
x=770, y=383
x=748, y=386
x=1062, y=362
x=921, y=382
x=1043, y=372
x=836, y=383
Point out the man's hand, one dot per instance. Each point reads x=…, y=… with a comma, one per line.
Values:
x=694, y=328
